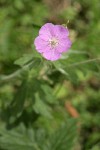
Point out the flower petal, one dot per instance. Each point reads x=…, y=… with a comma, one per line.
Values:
x=61, y=31
x=64, y=45
x=41, y=45
x=46, y=31
x=52, y=55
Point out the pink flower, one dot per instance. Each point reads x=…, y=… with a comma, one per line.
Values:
x=52, y=41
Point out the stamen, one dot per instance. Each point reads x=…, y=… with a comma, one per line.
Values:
x=53, y=42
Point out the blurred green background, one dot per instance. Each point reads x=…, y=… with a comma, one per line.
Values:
x=20, y=21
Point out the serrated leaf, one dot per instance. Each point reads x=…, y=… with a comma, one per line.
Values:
x=14, y=140
x=64, y=137
x=48, y=94
x=41, y=107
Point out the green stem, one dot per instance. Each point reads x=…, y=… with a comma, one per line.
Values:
x=84, y=62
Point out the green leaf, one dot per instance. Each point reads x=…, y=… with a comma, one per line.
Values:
x=15, y=108
x=26, y=58
x=41, y=107
x=17, y=140
x=60, y=67
x=48, y=94
x=64, y=137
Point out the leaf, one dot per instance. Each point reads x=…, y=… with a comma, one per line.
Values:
x=26, y=58
x=48, y=94
x=60, y=67
x=41, y=107
x=27, y=139
x=16, y=107
x=64, y=137
x=36, y=62
x=70, y=73
x=17, y=140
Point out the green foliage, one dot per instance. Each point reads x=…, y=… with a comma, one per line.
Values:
x=24, y=60
x=60, y=140
x=41, y=108
x=27, y=139
x=33, y=91
x=22, y=140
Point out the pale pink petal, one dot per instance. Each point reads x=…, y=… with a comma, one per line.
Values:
x=61, y=31
x=40, y=45
x=64, y=45
x=52, y=55
x=46, y=31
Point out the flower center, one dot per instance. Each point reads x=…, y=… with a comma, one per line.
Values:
x=53, y=42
